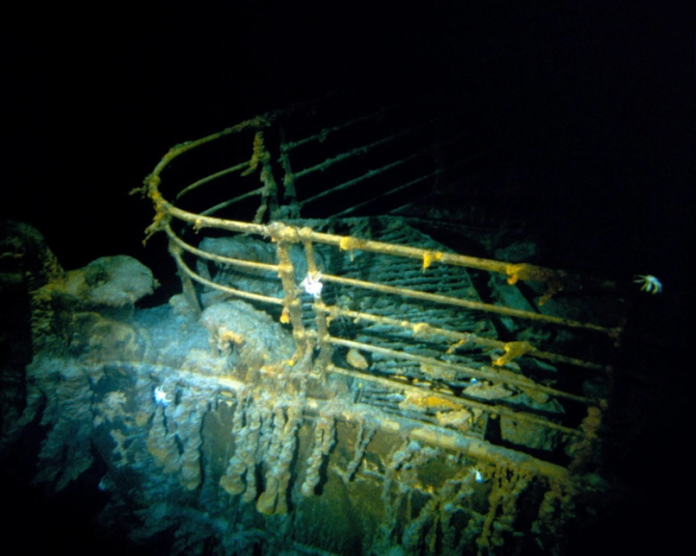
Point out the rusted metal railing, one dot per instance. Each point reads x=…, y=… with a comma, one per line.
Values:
x=174, y=221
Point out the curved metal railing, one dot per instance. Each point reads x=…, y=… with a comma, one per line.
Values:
x=276, y=220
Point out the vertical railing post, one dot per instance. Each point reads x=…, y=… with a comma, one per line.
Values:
x=188, y=289
x=289, y=193
x=325, y=348
x=284, y=236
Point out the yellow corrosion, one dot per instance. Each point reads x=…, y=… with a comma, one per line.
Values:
x=429, y=401
x=348, y=243
x=512, y=351
x=429, y=257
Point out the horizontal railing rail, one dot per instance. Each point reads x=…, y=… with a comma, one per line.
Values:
x=322, y=340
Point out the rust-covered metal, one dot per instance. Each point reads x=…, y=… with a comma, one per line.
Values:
x=519, y=408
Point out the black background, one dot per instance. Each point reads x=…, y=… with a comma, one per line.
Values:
x=597, y=100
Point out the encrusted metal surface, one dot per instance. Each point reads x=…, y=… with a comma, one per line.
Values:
x=326, y=386
x=454, y=281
